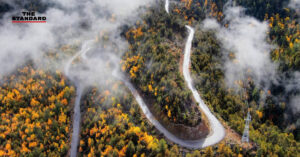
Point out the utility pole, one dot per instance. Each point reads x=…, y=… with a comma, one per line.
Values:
x=245, y=137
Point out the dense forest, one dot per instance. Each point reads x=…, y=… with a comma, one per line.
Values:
x=37, y=103
x=153, y=64
x=35, y=113
x=209, y=77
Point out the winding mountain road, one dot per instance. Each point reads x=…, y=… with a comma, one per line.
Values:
x=76, y=121
x=217, y=132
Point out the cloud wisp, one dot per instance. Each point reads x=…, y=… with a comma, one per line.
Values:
x=69, y=22
x=246, y=52
x=245, y=42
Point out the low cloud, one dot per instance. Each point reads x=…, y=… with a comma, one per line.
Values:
x=295, y=104
x=247, y=54
x=69, y=22
x=245, y=41
x=295, y=4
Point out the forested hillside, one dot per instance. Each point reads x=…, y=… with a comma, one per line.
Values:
x=270, y=112
x=153, y=63
x=112, y=124
x=35, y=113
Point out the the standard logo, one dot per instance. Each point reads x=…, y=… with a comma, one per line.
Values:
x=29, y=17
